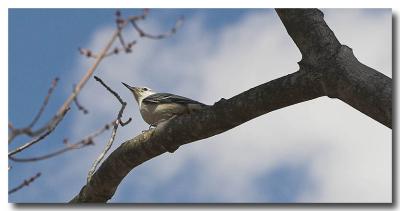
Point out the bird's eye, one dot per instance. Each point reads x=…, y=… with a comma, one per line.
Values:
x=145, y=89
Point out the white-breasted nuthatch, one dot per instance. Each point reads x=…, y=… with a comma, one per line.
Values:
x=158, y=107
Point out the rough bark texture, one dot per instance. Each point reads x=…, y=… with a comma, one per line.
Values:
x=362, y=87
x=224, y=115
x=326, y=69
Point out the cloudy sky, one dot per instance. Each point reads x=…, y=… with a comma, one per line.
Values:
x=318, y=151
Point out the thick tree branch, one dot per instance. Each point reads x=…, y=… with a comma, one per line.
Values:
x=313, y=37
x=345, y=78
x=326, y=69
x=222, y=116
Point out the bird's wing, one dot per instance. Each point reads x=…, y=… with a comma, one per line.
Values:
x=168, y=98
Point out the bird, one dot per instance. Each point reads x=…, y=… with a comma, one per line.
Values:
x=159, y=107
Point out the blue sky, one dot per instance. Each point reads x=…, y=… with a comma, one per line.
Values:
x=300, y=165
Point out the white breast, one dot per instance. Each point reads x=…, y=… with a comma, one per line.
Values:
x=154, y=114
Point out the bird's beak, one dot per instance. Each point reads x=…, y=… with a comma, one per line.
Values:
x=134, y=90
x=129, y=87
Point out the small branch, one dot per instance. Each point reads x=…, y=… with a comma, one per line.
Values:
x=139, y=17
x=104, y=152
x=123, y=103
x=114, y=131
x=121, y=23
x=58, y=117
x=120, y=114
x=41, y=133
x=80, y=107
x=50, y=155
x=88, y=53
x=109, y=89
x=88, y=140
x=28, y=129
x=46, y=100
x=169, y=33
x=127, y=47
x=52, y=125
x=121, y=39
x=90, y=71
x=24, y=183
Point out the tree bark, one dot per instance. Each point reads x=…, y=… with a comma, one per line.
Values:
x=356, y=84
x=326, y=69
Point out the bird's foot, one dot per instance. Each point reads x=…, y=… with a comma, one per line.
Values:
x=150, y=127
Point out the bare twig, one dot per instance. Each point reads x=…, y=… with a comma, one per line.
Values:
x=104, y=152
x=110, y=90
x=46, y=100
x=139, y=17
x=87, y=53
x=114, y=131
x=53, y=154
x=121, y=23
x=89, y=73
x=80, y=107
x=49, y=129
x=25, y=183
x=28, y=129
x=121, y=39
x=88, y=140
x=169, y=33
x=127, y=47
x=42, y=132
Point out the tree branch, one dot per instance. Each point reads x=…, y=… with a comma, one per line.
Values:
x=114, y=131
x=345, y=78
x=78, y=105
x=169, y=33
x=45, y=102
x=25, y=183
x=28, y=129
x=87, y=141
x=326, y=69
x=52, y=125
x=41, y=133
x=222, y=116
x=58, y=117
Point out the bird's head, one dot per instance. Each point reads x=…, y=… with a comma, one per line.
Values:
x=139, y=92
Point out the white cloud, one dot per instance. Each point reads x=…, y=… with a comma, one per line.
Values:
x=349, y=154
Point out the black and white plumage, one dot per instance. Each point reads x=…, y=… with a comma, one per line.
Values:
x=168, y=98
x=158, y=107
